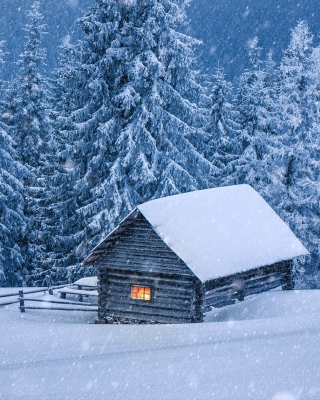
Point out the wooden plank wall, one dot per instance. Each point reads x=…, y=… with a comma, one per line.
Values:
x=140, y=257
x=224, y=291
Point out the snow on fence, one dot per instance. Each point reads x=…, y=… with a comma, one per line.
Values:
x=26, y=291
x=85, y=287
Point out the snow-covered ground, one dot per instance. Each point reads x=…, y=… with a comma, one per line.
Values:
x=267, y=347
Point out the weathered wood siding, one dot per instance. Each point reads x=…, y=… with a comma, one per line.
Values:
x=227, y=290
x=140, y=257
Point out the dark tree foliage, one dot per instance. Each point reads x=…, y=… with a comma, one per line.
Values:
x=12, y=220
x=125, y=120
x=133, y=120
x=27, y=113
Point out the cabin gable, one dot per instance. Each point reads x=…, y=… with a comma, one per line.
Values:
x=138, y=258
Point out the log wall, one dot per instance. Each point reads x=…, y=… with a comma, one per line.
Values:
x=227, y=290
x=140, y=257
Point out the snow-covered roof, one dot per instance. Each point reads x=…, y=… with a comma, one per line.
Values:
x=222, y=231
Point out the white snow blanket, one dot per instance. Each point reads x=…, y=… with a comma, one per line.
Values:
x=265, y=348
x=222, y=231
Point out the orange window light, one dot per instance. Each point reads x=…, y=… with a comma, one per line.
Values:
x=141, y=292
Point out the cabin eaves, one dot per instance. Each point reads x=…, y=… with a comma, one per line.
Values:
x=216, y=232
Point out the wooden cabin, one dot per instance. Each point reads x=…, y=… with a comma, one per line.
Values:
x=172, y=259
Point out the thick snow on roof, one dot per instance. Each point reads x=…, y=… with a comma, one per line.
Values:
x=222, y=231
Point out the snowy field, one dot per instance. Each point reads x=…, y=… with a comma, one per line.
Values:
x=267, y=347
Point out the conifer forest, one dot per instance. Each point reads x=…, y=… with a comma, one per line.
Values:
x=128, y=114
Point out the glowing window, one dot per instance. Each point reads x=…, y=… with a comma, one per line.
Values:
x=141, y=292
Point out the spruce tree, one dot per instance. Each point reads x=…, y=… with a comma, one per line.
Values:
x=62, y=214
x=299, y=196
x=28, y=116
x=12, y=222
x=136, y=123
x=256, y=143
x=223, y=126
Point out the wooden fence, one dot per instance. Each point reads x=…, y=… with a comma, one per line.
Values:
x=27, y=301
x=54, y=303
x=29, y=291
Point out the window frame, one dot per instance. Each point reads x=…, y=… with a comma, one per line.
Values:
x=141, y=286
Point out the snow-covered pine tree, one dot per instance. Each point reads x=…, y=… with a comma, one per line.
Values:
x=12, y=222
x=313, y=143
x=64, y=225
x=137, y=121
x=27, y=113
x=223, y=126
x=299, y=195
x=257, y=144
x=74, y=150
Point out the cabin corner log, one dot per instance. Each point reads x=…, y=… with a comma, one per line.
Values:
x=288, y=279
x=198, y=302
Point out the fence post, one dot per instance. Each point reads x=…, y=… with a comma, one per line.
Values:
x=80, y=297
x=49, y=284
x=21, y=301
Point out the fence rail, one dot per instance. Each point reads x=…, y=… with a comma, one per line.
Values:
x=74, y=305
x=44, y=289
x=9, y=302
x=57, y=301
x=53, y=303
x=23, y=308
